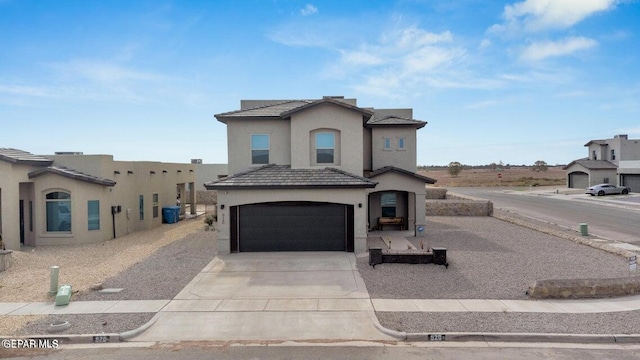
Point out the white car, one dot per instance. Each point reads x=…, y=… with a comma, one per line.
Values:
x=607, y=189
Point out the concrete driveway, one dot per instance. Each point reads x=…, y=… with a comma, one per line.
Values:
x=271, y=296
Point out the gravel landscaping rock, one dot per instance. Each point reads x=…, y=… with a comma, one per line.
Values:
x=159, y=276
x=594, y=323
x=89, y=323
x=163, y=274
x=488, y=259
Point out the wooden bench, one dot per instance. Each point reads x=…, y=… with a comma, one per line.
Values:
x=382, y=221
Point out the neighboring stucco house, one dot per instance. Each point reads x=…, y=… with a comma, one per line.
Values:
x=316, y=175
x=614, y=161
x=78, y=199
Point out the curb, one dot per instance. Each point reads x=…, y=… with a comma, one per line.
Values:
x=127, y=335
x=73, y=339
x=400, y=335
x=527, y=338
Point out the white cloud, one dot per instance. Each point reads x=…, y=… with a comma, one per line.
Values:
x=543, y=50
x=308, y=10
x=403, y=60
x=485, y=43
x=104, y=72
x=537, y=15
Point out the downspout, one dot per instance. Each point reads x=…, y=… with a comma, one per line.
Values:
x=113, y=217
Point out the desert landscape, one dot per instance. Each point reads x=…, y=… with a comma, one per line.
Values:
x=510, y=176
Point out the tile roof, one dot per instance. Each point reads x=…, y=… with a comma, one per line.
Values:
x=283, y=177
x=395, y=120
x=73, y=174
x=286, y=108
x=599, y=142
x=386, y=169
x=593, y=164
x=272, y=110
x=23, y=157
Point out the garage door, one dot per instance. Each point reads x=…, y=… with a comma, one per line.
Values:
x=632, y=181
x=578, y=180
x=294, y=226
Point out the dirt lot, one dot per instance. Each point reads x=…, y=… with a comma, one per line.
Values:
x=510, y=177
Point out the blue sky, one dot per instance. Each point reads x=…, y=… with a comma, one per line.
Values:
x=514, y=81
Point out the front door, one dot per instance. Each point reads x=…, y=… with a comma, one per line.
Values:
x=21, y=221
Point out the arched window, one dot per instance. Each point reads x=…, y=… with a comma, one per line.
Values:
x=58, y=205
x=325, y=147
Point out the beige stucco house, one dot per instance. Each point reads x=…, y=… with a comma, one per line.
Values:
x=614, y=161
x=77, y=199
x=317, y=175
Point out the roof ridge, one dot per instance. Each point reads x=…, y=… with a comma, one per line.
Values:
x=262, y=106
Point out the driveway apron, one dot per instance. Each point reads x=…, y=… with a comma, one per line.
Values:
x=285, y=296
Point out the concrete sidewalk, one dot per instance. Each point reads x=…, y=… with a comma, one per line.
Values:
x=296, y=305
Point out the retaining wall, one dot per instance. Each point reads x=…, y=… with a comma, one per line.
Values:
x=584, y=288
x=459, y=208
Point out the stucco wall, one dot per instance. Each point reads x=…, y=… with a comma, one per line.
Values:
x=239, y=142
x=132, y=179
x=81, y=192
x=405, y=159
x=209, y=172
x=338, y=196
x=328, y=116
x=11, y=175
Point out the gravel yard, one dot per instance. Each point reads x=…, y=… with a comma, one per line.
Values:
x=492, y=259
x=148, y=265
x=595, y=323
x=488, y=259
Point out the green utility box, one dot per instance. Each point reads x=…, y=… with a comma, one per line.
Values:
x=584, y=229
x=64, y=295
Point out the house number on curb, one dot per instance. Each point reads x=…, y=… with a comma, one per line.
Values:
x=101, y=339
x=436, y=337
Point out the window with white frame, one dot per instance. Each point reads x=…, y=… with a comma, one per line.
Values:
x=386, y=143
x=259, y=149
x=58, y=211
x=325, y=147
x=401, y=144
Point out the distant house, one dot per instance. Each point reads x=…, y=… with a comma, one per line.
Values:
x=317, y=175
x=78, y=199
x=614, y=161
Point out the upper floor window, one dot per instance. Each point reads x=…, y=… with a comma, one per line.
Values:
x=400, y=143
x=595, y=157
x=325, y=148
x=386, y=143
x=58, y=205
x=259, y=148
x=613, y=154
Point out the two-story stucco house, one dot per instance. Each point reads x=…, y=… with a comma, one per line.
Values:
x=76, y=199
x=614, y=161
x=316, y=175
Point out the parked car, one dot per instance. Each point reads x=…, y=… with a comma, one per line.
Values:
x=607, y=189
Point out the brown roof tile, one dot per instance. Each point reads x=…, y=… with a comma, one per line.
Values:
x=282, y=176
